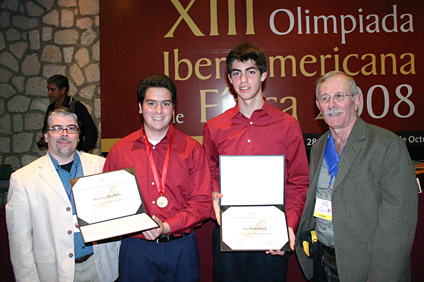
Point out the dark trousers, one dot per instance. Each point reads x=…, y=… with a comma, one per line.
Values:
x=246, y=266
x=325, y=267
x=142, y=260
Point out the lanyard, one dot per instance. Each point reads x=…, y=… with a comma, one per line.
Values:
x=161, y=185
x=331, y=159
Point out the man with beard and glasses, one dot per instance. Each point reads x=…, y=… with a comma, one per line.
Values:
x=362, y=196
x=45, y=244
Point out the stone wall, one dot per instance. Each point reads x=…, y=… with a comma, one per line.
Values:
x=38, y=39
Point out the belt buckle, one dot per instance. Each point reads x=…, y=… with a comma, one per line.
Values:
x=162, y=239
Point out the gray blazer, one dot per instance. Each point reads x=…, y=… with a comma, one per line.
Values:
x=374, y=205
x=39, y=216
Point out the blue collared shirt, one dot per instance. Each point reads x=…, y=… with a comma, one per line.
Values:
x=76, y=171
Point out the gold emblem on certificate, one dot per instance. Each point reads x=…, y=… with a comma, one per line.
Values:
x=162, y=202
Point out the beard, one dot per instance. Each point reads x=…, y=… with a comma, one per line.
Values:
x=61, y=149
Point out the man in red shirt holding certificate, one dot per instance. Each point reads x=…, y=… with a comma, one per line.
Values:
x=174, y=180
x=254, y=127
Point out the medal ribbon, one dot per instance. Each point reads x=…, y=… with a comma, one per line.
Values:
x=331, y=158
x=160, y=185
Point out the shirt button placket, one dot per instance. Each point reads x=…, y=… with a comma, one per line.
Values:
x=249, y=140
x=153, y=202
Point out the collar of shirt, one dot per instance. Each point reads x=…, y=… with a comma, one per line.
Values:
x=138, y=139
x=66, y=101
x=65, y=176
x=75, y=165
x=267, y=108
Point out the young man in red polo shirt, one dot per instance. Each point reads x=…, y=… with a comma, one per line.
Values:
x=254, y=127
x=174, y=180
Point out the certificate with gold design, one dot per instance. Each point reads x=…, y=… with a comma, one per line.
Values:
x=109, y=205
x=254, y=228
x=252, y=209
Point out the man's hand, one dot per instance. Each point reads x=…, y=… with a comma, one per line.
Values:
x=215, y=201
x=152, y=234
x=292, y=237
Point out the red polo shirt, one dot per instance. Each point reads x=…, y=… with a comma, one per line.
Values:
x=268, y=131
x=188, y=182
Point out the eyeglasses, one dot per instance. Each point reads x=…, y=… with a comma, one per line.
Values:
x=57, y=129
x=338, y=97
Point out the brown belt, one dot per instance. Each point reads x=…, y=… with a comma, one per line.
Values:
x=84, y=258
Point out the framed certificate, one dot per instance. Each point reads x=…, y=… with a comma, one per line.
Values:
x=109, y=205
x=252, y=209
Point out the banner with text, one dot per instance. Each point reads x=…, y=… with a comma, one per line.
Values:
x=379, y=43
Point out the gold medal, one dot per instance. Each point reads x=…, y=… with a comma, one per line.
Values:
x=162, y=202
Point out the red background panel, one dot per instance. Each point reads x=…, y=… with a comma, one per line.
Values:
x=134, y=45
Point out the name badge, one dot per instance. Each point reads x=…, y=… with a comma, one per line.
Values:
x=76, y=229
x=323, y=209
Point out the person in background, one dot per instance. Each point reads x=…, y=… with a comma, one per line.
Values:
x=45, y=244
x=58, y=90
x=254, y=127
x=174, y=180
x=362, y=198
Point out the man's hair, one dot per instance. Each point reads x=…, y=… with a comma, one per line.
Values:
x=243, y=53
x=60, y=81
x=59, y=111
x=156, y=80
x=353, y=89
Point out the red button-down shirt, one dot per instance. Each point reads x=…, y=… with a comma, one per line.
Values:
x=267, y=132
x=188, y=182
